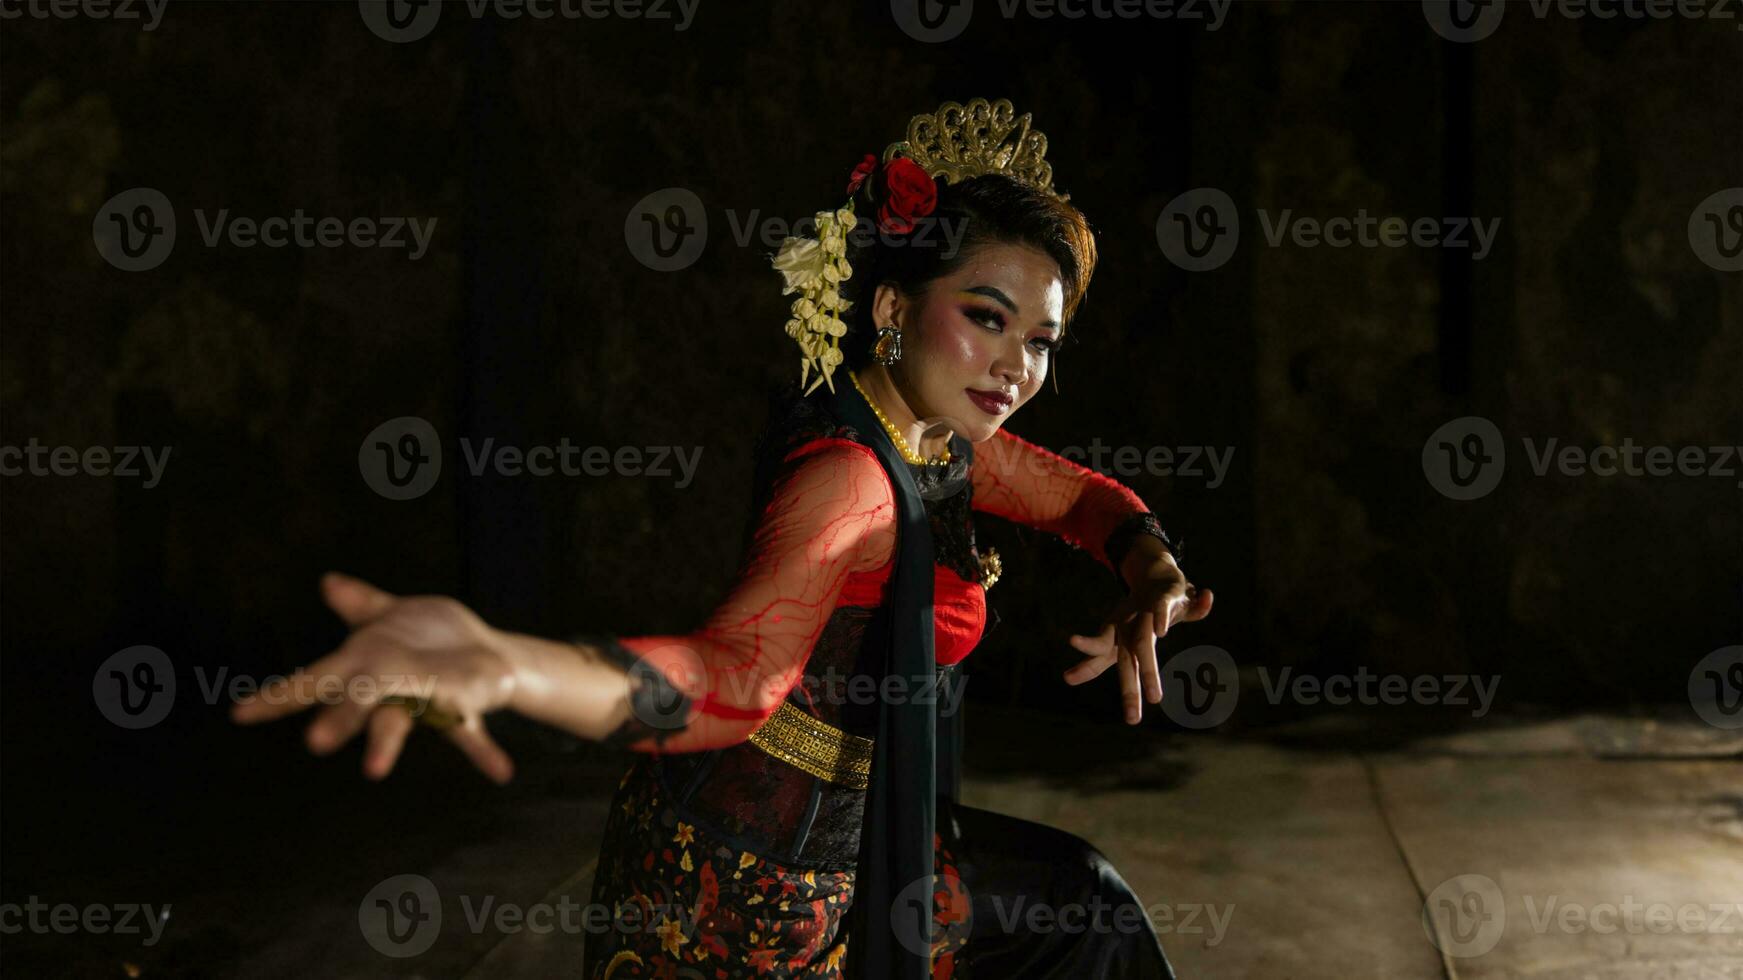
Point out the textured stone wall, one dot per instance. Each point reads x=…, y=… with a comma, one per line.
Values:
x=530, y=142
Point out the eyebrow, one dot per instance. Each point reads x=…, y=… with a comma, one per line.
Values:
x=998, y=295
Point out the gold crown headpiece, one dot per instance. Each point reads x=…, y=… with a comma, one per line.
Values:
x=956, y=143
x=962, y=141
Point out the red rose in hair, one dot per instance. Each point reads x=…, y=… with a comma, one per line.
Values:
x=861, y=172
x=909, y=193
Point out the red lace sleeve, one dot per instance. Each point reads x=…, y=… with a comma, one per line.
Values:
x=1031, y=485
x=830, y=512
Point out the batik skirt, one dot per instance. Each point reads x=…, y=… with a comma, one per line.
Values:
x=685, y=903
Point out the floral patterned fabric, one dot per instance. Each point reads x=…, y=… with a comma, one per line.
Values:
x=690, y=905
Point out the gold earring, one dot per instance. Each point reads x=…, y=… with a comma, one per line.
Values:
x=887, y=349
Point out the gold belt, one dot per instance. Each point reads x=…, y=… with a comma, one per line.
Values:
x=818, y=748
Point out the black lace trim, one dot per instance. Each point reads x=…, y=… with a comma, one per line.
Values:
x=952, y=520
x=1120, y=542
x=657, y=709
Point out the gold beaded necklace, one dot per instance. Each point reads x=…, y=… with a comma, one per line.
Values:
x=902, y=446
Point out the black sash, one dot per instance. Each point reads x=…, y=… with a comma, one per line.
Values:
x=895, y=847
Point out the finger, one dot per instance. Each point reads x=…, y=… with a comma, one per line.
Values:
x=335, y=726
x=288, y=695
x=388, y=728
x=1199, y=607
x=489, y=757
x=1168, y=611
x=1100, y=649
x=1131, y=691
x=1089, y=669
x=356, y=601
x=1097, y=645
x=1148, y=673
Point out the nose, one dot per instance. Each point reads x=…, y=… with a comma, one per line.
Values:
x=1012, y=370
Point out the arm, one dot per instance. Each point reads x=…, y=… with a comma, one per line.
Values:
x=1022, y=482
x=830, y=512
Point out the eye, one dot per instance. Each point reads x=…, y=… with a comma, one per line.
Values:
x=994, y=320
x=986, y=316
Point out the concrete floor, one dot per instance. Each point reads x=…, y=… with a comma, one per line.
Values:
x=1298, y=851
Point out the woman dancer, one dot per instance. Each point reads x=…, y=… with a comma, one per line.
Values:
x=793, y=810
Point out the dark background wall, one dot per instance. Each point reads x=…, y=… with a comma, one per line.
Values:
x=530, y=143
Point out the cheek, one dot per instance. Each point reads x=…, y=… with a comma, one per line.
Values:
x=958, y=346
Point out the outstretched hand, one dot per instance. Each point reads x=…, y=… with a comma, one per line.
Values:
x=1160, y=597
x=405, y=654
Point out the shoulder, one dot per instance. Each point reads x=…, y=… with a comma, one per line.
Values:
x=835, y=493
x=795, y=419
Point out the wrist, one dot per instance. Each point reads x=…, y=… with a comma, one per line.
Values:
x=1149, y=558
x=520, y=662
x=1136, y=546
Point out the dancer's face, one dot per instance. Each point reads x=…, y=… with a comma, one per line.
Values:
x=983, y=333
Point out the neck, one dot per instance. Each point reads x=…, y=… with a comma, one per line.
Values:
x=884, y=390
